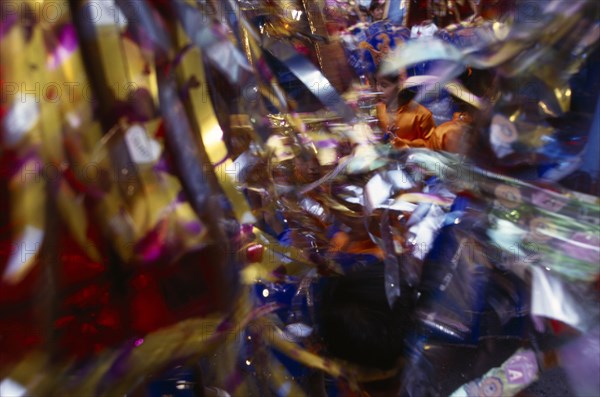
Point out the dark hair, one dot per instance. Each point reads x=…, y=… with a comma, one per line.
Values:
x=389, y=77
x=479, y=82
x=394, y=77
x=374, y=5
x=407, y=94
x=356, y=322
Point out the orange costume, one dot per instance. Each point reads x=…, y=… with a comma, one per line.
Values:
x=451, y=136
x=413, y=124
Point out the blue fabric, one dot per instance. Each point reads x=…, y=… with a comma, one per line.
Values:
x=463, y=289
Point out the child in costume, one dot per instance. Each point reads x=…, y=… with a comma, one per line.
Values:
x=455, y=136
x=409, y=123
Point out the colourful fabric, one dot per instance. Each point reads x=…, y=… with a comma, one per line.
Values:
x=451, y=135
x=413, y=125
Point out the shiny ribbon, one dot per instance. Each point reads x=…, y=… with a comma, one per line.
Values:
x=561, y=226
x=311, y=77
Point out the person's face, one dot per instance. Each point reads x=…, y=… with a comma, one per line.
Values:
x=378, y=13
x=387, y=88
